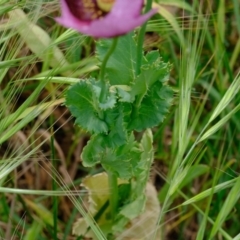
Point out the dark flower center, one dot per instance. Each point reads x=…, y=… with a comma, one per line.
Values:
x=88, y=10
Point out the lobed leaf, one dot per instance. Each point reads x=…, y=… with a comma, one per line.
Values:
x=153, y=108
x=93, y=152
x=154, y=70
x=82, y=101
x=121, y=64
x=137, y=198
x=110, y=100
x=123, y=160
x=115, y=118
x=152, y=96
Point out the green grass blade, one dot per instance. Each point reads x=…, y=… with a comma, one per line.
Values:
x=237, y=14
x=208, y=192
x=219, y=124
x=24, y=117
x=173, y=22
x=38, y=40
x=227, y=98
x=229, y=204
x=34, y=231
x=237, y=237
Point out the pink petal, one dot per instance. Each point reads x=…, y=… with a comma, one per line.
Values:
x=124, y=17
x=127, y=7
x=68, y=19
x=112, y=26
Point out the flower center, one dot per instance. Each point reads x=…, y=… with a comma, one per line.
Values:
x=105, y=5
x=88, y=10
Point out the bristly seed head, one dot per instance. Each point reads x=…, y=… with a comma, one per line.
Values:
x=88, y=10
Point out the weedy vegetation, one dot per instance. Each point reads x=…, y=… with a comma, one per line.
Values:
x=168, y=167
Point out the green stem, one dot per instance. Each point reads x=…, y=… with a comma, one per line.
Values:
x=141, y=40
x=113, y=186
x=103, y=68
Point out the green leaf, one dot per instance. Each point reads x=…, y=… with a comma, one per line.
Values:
x=149, y=207
x=137, y=199
x=82, y=101
x=123, y=92
x=144, y=164
x=152, y=71
x=153, y=108
x=93, y=152
x=152, y=57
x=134, y=208
x=117, y=134
x=124, y=160
x=152, y=96
x=110, y=100
x=121, y=64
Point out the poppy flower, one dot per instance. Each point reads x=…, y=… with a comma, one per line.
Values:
x=103, y=18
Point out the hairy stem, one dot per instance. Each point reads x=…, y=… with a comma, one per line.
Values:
x=103, y=68
x=141, y=40
x=112, y=181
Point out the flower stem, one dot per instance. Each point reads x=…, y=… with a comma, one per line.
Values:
x=113, y=186
x=141, y=40
x=103, y=68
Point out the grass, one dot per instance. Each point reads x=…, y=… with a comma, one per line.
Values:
x=196, y=169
